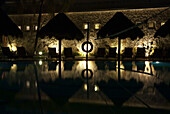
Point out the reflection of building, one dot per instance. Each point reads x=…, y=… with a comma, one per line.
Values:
x=28, y=24
x=92, y=94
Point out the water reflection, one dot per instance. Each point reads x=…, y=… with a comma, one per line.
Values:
x=21, y=65
x=108, y=65
x=140, y=66
x=164, y=89
x=127, y=65
x=143, y=84
x=100, y=65
x=52, y=65
x=8, y=88
x=121, y=91
x=68, y=65
x=60, y=90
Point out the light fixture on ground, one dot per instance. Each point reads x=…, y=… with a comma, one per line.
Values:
x=40, y=53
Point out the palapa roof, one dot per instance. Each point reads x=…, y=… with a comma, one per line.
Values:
x=32, y=6
x=119, y=22
x=8, y=27
x=164, y=30
x=61, y=27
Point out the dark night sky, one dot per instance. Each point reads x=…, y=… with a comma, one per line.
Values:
x=79, y=5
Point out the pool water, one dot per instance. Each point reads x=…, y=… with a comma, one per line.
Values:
x=38, y=87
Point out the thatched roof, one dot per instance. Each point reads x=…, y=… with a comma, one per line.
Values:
x=61, y=27
x=119, y=22
x=164, y=30
x=8, y=27
x=31, y=6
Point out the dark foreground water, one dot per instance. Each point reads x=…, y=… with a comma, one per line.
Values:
x=37, y=87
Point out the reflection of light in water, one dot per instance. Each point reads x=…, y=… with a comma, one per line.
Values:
x=28, y=84
x=134, y=66
x=83, y=64
x=14, y=67
x=35, y=84
x=121, y=65
x=96, y=88
x=157, y=62
x=85, y=87
x=57, y=67
x=89, y=74
x=147, y=67
x=40, y=62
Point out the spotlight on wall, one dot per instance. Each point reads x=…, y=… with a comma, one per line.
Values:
x=14, y=48
x=40, y=53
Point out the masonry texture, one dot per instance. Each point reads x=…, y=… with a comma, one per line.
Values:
x=94, y=17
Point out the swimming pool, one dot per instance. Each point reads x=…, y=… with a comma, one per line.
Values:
x=37, y=87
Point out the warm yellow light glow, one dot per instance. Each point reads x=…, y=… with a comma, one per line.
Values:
x=146, y=54
x=57, y=67
x=14, y=67
x=9, y=47
x=27, y=28
x=40, y=53
x=121, y=50
x=85, y=26
x=147, y=67
x=157, y=62
x=85, y=87
x=97, y=26
x=35, y=84
x=121, y=65
x=140, y=46
x=19, y=27
x=96, y=88
x=81, y=52
x=83, y=64
x=36, y=27
x=12, y=47
x=152, y=52
x=162, y=23
x=151, y=24
x=28, y=84
x=40, y=62
x=84, y=53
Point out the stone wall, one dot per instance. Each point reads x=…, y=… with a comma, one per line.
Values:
x=94, y=17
